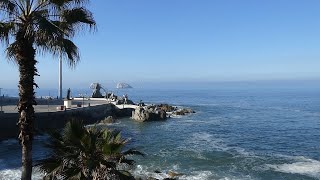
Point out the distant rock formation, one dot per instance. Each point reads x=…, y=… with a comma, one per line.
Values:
x=123, y=86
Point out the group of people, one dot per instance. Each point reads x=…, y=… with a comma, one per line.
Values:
x=113, y=97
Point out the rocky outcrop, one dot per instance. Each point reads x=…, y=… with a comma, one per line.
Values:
x=167, y=107
x=143, y=114
x=183, y=111
x=108, y=120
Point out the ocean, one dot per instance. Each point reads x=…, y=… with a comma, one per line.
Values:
x=236, y=133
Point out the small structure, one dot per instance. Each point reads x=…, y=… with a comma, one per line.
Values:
x=69, y=94
x=96, y=87
x=67, y=102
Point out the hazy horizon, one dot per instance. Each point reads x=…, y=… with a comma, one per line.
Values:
x=273, y=84
x=185, y=40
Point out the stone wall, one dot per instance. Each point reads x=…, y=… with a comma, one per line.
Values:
x=55, y=120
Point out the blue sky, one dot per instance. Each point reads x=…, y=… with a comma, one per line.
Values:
x=190, y=40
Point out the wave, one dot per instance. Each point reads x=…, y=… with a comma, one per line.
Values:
x=198, y=175
x=15, y=174
x=204, y=141
x=146, y=172
x=303, y=166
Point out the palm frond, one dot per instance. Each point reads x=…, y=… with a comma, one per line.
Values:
x=8, y=6
x=5, y=29
x=52, y=165
x=73, y=131
x=12, y=51
x=70, y=51
x=78, y=17
x=61, y=3
x=133, y=152
x=81, y=153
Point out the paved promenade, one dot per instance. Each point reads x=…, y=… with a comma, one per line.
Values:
x=54, y=105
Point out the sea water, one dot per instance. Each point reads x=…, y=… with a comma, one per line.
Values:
x=236, y=133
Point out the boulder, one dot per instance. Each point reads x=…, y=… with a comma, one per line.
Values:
x=167, y=107
x=142, y=114
x=108, y=120
x=183, y=111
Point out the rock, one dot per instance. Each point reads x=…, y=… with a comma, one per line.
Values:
x=183, y=111
x=174, y=174
x=167, y=107
x=108, y=120
x=179, y=113
x=142, y=114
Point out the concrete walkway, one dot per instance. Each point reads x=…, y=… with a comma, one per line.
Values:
x=77, y=103
x=126, y=106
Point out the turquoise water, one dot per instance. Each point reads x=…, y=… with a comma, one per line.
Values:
x=244, y=133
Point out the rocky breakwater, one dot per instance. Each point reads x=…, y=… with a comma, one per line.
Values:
x=148, y=113
x=157, y=112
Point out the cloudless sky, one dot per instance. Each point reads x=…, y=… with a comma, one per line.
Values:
x=190, y=40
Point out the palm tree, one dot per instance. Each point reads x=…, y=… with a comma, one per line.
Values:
x=81, y=153
x=31, y=26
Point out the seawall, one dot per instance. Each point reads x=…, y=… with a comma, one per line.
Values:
x=56, y=120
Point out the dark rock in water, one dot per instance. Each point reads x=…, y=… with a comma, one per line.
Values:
x=108, y=120
x=142, y=114
x=183, y=111
x=167, y=107
x=157, y=171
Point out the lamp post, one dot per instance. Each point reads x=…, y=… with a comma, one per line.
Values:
x=60, y=76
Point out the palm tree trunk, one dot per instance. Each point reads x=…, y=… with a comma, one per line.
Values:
x=26, y=60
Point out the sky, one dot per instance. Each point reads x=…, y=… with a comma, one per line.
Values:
x=141, y=41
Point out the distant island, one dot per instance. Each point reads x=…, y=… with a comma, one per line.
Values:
x=123, y=86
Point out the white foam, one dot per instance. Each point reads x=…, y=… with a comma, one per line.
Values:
x=15, y=174
x=198, y=175
x=144, y=171
x=308, y=167
x=203, y=141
